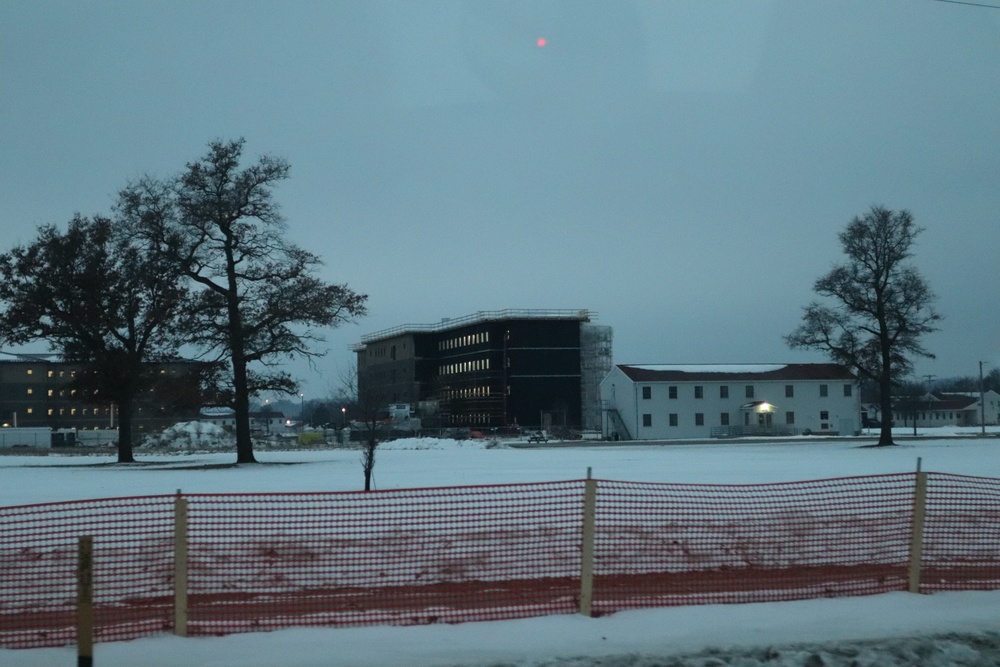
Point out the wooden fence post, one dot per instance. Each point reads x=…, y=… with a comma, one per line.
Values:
x=85, y=602
x=917, y=534
x=180, y=565
x=587, y=546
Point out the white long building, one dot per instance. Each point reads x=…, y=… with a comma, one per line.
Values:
x=665, y=402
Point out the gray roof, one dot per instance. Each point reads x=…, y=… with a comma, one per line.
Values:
x=734, y=372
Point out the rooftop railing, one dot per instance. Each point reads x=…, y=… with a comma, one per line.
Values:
x=446, y=323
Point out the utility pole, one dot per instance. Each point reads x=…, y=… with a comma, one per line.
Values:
x=982, y=401
x=928, y=379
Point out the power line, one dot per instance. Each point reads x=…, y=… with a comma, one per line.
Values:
x=970, y=4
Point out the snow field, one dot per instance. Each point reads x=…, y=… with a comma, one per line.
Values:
x=812, y=633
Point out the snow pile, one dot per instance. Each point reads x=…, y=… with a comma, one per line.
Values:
x=435, y=443
x=191, y=436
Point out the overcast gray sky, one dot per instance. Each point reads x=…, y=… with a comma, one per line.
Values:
x=682, y=168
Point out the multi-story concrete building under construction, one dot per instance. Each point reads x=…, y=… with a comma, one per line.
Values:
x=491, y=369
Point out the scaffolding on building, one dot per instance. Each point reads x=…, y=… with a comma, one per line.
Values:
x=595, y=363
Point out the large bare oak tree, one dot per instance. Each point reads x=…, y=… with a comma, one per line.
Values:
x=258, y=300
x=877, y=306
x=96, y=295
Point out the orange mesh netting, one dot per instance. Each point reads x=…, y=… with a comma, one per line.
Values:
x=447, y=555
x=961, y=547
x=133, y=565
x=676, y=544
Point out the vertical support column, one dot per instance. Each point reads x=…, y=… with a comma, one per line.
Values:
x=587, y=545
x=85, y=602
x=180, y=565
x=917, y=535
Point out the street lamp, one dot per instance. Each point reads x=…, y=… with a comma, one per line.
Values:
x=302, y=408
x=343, y=416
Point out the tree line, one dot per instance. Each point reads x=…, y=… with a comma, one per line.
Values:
x=199, y=262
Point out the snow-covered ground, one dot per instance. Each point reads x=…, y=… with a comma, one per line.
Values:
x=895, y=629
x=841, y=632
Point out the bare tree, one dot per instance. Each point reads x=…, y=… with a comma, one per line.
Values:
x=258, y=300
x=370, y=410
x=880, y=306
x=97, y=296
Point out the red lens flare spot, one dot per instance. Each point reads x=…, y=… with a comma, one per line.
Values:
x=541, y=42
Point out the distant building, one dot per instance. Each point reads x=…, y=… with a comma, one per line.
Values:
x=269, y=421
x=262, y=421
x=942, y=409
x=491, y=369
x=219, y=416
x=36, y=390
x=664, y=402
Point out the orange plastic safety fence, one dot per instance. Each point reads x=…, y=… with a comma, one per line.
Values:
x=393, y=557
x=961, y=547
x=265, y=561
x=132, y=569
x=679, y=544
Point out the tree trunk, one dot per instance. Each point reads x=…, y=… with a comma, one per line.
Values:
x=241, y=409
x=885, y=377
x=885, y=407
x=885, y=388
x=241, y=388
x=125, y=417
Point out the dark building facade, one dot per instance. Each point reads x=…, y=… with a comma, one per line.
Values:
x=36, y=390
x=493, y=369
